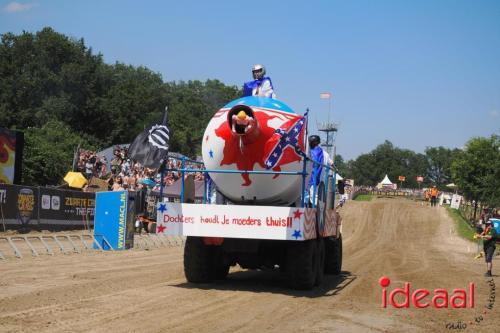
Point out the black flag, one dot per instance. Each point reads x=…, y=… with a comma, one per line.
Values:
x=150, y=148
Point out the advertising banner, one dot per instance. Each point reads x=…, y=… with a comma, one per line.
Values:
x=11, y=147
x=26, y=207
x=114, y=220
x=258, y=222
x=66, y=207
x=19, y=204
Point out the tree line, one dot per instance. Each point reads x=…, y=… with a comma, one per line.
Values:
x=61, y=94
x=474, y=169
x=433, y=165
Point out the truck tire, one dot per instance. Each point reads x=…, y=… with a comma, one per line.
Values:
x=333, y=255
x=301, y=264
x=198, y=261
x=320, y=271
x=221, y=272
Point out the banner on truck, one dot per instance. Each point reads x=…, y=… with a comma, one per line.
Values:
x=234, y=221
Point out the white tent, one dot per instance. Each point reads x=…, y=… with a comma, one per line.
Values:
x=386, y=181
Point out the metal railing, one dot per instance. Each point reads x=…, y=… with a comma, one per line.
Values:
x=18, y=246
x=305, y=159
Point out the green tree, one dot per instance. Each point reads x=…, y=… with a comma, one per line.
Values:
x=369, y=169
x=341, y=165
x=191, y=106
x=476, y=171
x=439, y=162
x=132, y=96
x=48, y=153
x=41, y=70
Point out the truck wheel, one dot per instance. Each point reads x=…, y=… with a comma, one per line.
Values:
x=320, y=271
x=221, y=272
x=198, y=261
x=333, y=255
x=302, y=262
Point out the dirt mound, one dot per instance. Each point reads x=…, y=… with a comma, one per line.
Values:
x=145, y=291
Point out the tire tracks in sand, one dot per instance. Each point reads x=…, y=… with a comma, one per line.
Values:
x=145, y=291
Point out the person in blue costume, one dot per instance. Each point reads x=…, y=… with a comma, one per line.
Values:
x=261, y=84
x=316, y=154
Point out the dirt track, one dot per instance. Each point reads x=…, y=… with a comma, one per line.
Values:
x=145, y=291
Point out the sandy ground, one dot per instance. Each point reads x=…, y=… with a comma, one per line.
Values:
x=145, y=291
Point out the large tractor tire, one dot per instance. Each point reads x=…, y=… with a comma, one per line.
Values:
x=198, y=261
x=333, y=255
x=302, y=264
x=320, y=268
x=221, y=272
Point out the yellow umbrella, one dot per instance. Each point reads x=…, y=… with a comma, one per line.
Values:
x=75, y=179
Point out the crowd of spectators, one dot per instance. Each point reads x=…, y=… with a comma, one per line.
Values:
x=91, y=165
x=125, y=174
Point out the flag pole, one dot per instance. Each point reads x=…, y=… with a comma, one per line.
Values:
x=163, y=166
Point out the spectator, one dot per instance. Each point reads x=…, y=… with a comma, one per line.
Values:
x=489, y=237
x=116, y=163
x=89, y=169
x=104, y=167
x=118, y=184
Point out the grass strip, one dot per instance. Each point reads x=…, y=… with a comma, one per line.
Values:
x=364, y=197
x=463, y=228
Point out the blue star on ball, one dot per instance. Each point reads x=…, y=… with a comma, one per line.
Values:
x=296, y=234
x=211, y=153
x=162, y=208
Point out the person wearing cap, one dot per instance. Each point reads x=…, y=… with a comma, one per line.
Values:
x=315, y=154
x=261, y=84
x=489, y=236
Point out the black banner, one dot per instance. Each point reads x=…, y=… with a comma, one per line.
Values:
x=66, y=207
x=19, y=205
x=27, y=207
x=150, y=148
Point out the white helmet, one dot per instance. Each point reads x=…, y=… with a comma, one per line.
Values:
x=258, y=71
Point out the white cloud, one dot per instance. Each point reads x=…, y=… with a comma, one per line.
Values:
x=494, y=113
x=15, y=7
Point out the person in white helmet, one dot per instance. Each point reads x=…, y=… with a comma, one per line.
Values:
x=261, y=84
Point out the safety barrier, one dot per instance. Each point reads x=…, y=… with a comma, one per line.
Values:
x=19, y=246
x=148, y=241
x=37, y=245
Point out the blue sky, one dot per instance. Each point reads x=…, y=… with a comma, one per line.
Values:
x=418, y=73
